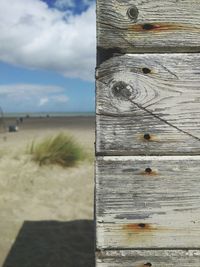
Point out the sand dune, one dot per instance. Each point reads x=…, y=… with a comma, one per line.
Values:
x=50, y=198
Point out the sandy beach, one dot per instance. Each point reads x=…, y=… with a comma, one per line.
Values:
x=46, y=212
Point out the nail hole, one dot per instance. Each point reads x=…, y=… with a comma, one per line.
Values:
x=142, y=225
x=133, y=13
x=148, y=264
x=146, y=70
x=147, y=136
x=148, y=26
x=148, y=170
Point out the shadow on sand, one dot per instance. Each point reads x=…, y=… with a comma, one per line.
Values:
x=53, y=244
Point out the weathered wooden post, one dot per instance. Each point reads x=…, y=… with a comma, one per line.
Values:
x=148, y=133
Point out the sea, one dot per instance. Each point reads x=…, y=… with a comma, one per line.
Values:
x=49, y=114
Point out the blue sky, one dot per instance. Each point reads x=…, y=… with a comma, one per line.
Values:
x=47, y=55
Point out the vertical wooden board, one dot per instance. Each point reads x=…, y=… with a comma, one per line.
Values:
x=148, y=202
x=151, y=94
x=147, y=26
x=148, y=105
x=148, y=258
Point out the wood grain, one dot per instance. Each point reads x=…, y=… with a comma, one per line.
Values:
x=150, y=258
x=161, y=26
x=148, y=202
x=150, y=94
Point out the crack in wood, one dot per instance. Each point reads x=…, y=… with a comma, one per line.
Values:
x=151, y=113
x=165, y=68
x=163, y=120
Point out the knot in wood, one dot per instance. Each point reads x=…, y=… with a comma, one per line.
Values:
x=133, y=13
x=122, y=90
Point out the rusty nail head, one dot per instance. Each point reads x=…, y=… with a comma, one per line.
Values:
x=147, y=136
x=142, y=225
x=148, y=170
x=148, y=26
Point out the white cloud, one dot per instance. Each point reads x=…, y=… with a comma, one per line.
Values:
x=31, y=90
x=56, y=99
x=28, y=96
x=36, y=36
x=43, y=101
x=60, y=98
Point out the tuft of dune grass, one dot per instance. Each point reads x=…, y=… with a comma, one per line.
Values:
x=61, y=149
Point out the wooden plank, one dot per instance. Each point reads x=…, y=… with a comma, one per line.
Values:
x=147, y=26
x=148, y=258
x=125, y=136
x=149, y=105
x=148, y=202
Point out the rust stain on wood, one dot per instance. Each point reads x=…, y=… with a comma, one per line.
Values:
x=139, y=227
x=148, y=171
x=148, y=264
x=160, y=27
x=148, y=138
